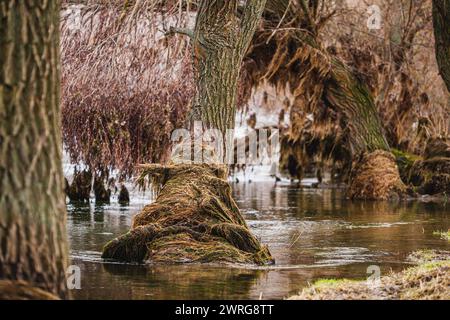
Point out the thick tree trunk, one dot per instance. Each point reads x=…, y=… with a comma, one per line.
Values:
x=320, y=79
x=441, y=21
x=352, y=99
x=32, y=206
x=297, y=57
x=220, y=42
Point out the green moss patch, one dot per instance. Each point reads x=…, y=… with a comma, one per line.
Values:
x=430, y=280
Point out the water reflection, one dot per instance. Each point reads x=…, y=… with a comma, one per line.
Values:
x=311, y=233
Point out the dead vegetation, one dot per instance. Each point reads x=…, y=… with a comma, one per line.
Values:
x=431, y=174
x=430, y=280
x=80, y=188
x=125, y=87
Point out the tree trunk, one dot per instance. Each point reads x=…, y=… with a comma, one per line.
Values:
x=441, y=21
x=352, y=99
x=32, y=206
x=317, y=78
x=297, y=57
x=194, y=218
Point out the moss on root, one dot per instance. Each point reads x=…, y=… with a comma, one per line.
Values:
x=194, y=219
x=430, y=280
x=405, y=161
x=375, y=176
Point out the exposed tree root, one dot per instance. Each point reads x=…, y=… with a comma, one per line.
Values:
x=194, y=219
x=375, y=176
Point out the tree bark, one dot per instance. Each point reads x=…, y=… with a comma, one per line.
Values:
x=33, y=247
x=441, y=21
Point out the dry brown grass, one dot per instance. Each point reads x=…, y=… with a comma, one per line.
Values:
x=375, y=176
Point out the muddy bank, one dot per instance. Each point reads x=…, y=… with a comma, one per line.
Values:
x=429, y=280
x=194, y=219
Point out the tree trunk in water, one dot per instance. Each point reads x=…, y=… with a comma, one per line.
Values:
x=352, y=99
x=194, y=218
x=441, y=21
x=33, y=247
x=318, y=79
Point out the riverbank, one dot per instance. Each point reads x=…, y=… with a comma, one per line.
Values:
x=429, y=280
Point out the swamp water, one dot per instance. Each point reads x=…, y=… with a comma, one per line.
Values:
x=312, y=234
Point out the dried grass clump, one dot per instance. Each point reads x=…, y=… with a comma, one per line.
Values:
x=428, y=281
x=432, y=174
x=80, y=188
x=194, y=219
x=375, y=176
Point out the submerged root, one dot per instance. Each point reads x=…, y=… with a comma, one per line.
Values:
x=376, y=177
x=194, y=219
x=101, y=193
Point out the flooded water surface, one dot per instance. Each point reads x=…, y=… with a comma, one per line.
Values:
x=311, y=233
